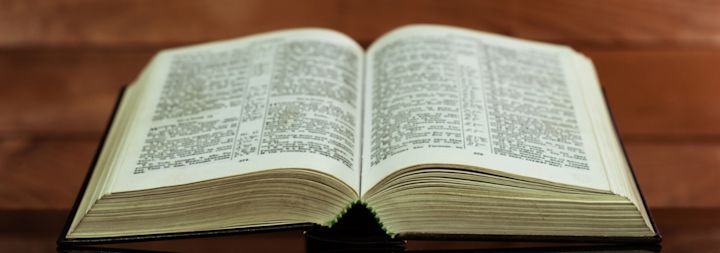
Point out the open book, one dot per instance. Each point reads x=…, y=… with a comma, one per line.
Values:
x=437, y=130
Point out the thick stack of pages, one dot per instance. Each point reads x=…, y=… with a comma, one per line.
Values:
x=438, y=200
x=441, y=132
x=267, y=198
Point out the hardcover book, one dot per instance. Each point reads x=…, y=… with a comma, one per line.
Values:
x=440, y=132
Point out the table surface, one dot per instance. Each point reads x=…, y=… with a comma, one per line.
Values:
x=683, y=230
x=62, y=63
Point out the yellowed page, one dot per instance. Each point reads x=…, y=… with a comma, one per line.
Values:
x=621, y=179
x=288, y=99
x=443, y=95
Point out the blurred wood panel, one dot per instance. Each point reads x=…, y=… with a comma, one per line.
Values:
x=63, y=92
x=662, y=93
x=60, y=92
x=677, y=173
x=578, y=23
x=38, y=23
x=63, y=62
x=43, y=174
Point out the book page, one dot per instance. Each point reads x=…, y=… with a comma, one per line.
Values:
x=621, y=178
x=441, y=95
x=286, y=99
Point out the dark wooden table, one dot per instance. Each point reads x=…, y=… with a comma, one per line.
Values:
x=683, y=229
x=62, y=63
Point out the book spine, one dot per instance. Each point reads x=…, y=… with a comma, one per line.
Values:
x=377, y=218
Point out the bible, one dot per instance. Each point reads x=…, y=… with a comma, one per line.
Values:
x=440, y=132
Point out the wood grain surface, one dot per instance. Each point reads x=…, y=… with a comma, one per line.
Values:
x=62, y=63
x=121, y=23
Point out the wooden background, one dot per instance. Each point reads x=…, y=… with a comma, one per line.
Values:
x=62, y=63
